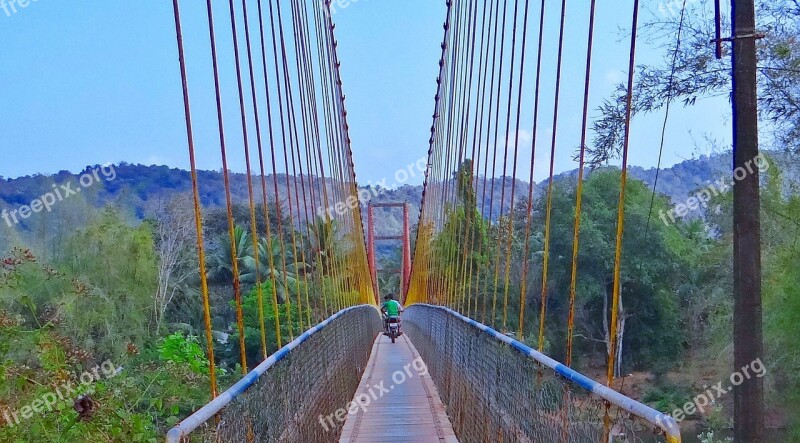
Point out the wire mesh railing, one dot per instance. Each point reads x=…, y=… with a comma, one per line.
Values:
x=498, y=389
x=285, y=396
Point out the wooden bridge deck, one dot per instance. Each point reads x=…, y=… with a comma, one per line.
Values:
x=400, y=402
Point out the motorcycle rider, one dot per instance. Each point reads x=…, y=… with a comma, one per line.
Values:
x=390, y=308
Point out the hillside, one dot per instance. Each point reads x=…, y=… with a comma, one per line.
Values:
x=139, y=190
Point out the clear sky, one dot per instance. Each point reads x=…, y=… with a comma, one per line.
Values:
x=97, y=81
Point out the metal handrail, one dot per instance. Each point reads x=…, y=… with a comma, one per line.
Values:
x=663, y=421
x=194, y=421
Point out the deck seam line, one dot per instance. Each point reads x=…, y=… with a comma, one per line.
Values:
x=368, y=380
x=436, y=421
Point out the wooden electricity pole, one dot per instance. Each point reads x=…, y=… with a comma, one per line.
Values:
x=747, y=330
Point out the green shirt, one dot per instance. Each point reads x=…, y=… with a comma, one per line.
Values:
x=392, y=308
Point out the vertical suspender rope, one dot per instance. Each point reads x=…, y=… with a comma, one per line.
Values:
x=201, y=255
x=300, y=50
x=313, y=174
x=470, y=205
x=256, y=244
x=340, y=167
x=297, y=163
x=357, y=222
x=446, y=150
x=270, y=244
x=464, y=110
x=579, y=189
x=505, y=157
x=234, y=256
x=523, y=295
x=621, y=207
x=494, y=153
x=578, y=203
x=350, y=275
x=549, y=210
x=251, y=200
x=337, y=262
x=492, y=24
x=508, y=223
x=294, y=144
x=315, y=160
x=434, y=214
x=293, y=223
x=330, y=260
x=612, y=355
x=461, y=103
x=443, y=254
x=467, y=180
x=330, y=217
x=421, y=249
x=337, y=156
x=287, y=290
x=516, y=152
x=483, y=63
x=341, y=159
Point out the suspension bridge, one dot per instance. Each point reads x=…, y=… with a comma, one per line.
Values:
x=471, y=364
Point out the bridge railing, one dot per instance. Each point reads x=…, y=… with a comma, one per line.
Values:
x=283, y=398
x=498, y=389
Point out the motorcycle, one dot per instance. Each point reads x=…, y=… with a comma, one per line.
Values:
x=393, y=328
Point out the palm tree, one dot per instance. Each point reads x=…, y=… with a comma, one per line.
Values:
x=321, y=244
x=221, y=263
x=271, y=266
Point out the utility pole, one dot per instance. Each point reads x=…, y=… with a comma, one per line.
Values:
x=748, y=398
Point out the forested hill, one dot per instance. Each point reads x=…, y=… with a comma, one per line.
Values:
x=92, y=284
x=139, y=190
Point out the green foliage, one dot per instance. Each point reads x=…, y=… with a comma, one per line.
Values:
x=781, y=230
x=651, y=269
x=689, y=72
x=335, y=296
x=56, y=323
x=183, y=350
x=711, y=437
x=321, y=245
x=115, y=275
x=103, y=316
x=137, y=404
x=221, y=262
x=290, y=325
x=40, y=366
x=462, y=223
x=667, y=397
x=91, y=298
x=717, y=419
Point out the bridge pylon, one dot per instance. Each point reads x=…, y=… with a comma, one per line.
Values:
x=404, y=237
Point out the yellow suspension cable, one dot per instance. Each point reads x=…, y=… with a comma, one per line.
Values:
x=201, y=256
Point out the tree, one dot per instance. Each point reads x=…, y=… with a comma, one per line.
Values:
x=781, y=230
x=697, y=73
x=290, y=320
x=117, y=265
x=284, y=273
x=176, y=237
x=321, y=244
x=220, y=261
x=461, y=243
x=649, y=329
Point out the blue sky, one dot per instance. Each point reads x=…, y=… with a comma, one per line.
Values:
x=97, y=81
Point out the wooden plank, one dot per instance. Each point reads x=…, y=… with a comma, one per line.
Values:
x=399, y=402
